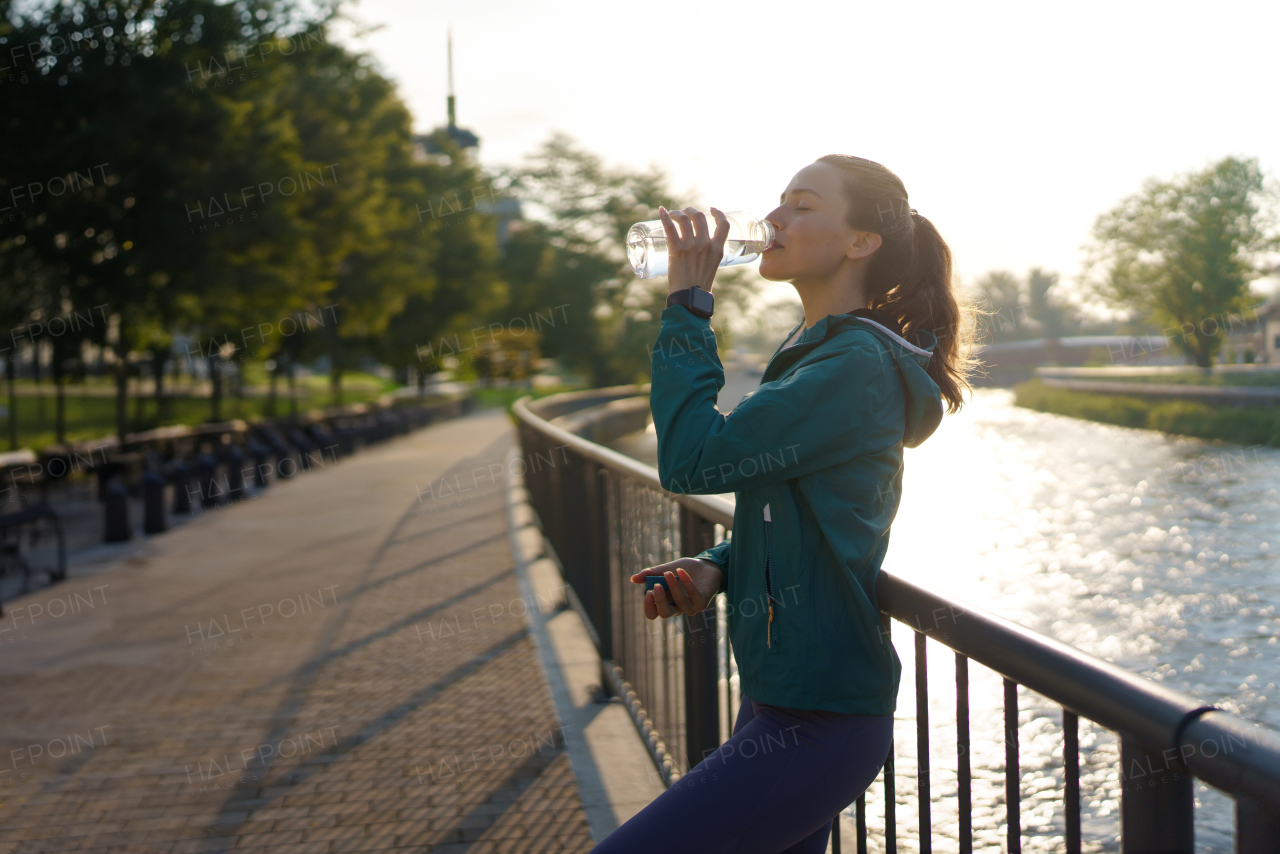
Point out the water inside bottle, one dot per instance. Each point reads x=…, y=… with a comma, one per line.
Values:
x=648, y=253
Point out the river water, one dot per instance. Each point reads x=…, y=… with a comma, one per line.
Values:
x=1152, y=551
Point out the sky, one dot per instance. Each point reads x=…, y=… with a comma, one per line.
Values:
x=1012, y=125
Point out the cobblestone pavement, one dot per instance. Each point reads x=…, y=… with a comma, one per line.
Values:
x=339, y=665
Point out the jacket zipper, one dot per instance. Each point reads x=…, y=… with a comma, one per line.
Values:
x=768, y=581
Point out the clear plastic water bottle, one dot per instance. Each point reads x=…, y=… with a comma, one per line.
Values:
x=647, y=243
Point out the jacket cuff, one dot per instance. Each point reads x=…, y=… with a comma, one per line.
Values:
x=719, y=555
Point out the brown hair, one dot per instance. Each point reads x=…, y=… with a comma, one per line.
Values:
x=909, y=277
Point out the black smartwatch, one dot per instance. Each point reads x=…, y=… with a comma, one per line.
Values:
x=701, y=303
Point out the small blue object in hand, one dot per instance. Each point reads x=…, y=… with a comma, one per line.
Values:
x=652, y=581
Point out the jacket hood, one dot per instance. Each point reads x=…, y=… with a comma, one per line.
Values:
x=924, y=399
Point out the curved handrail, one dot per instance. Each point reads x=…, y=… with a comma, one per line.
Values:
x=710, y=507
x=1094, y=688
x=1170, y=723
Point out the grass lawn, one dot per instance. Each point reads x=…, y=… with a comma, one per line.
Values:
x=90, y=416
x=506, y=397
x=1245, y=425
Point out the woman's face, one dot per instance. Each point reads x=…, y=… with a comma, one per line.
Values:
x=813, y=238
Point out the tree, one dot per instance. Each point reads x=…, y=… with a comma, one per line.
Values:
x=1181, y=253
x=575, y=256
x=349, y=116
x=458, y=286
x=147, y=230
x=25, y=288
x=1002, y=306
x=1052, y=319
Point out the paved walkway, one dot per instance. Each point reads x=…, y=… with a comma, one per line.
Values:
x=340, y=665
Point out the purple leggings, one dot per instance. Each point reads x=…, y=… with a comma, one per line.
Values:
x=773, y=788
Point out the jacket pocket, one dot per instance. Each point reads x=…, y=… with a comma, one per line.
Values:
x=768, y=576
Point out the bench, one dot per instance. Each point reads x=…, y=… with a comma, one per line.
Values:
x=21, y=513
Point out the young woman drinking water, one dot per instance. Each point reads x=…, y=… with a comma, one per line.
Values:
x=814, y=457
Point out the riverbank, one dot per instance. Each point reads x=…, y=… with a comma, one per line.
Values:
x=1245, y=425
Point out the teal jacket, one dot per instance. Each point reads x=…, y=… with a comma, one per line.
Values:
x=814, y=457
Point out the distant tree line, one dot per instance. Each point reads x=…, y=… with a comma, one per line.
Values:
x=1175, y=259
x=1010, y=308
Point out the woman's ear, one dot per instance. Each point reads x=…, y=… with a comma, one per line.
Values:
x=863, y=244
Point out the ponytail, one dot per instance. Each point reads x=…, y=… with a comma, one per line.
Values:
x=910, y=276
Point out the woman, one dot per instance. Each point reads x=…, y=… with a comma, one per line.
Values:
x=814, y=456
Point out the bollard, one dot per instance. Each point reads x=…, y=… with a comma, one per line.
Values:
x=206, y=470
x=117, y=514
x=324, y=441
x=153, y=520
x=154, y=462
x=286, y=465
x=180, y=477
x=368, y=430
x=260, y=456
x=105, y=473
x=346, y=440
x=303, y=443
x=234, y=459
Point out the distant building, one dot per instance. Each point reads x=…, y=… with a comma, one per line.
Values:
x=1269, y=318
x=461, y=137
x=509, y=214
x=506, y=210
x=1252, y=335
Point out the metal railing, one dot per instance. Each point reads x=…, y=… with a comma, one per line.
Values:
x=607, y=516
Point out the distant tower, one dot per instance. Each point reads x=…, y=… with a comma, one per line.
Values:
x=461, y=137
x=504, y=211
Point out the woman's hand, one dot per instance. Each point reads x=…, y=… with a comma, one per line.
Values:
x=692, y=583
x=693, y=252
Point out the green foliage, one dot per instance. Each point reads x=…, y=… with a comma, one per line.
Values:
x=1199, y=376
x=1181, y=253
x=1245, y=425
x=1011, y=309
x=1054, y=320
x=1109, y=409
x=190, y=122
x=575, y=255
x=493, y=397
x=247, y=169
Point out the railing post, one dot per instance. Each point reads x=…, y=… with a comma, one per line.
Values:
x=1012, y=769
x=1071, y=779
x=558, y=508
x=1157, y=801
x=922, y=744
x=1257, y=827
x=890, y=787
x=599, y=579
x=701, y=671
x=532, y=484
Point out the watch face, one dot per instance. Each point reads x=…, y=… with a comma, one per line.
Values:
x=701, y=300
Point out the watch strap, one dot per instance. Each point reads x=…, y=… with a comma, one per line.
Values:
x=699, y=302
